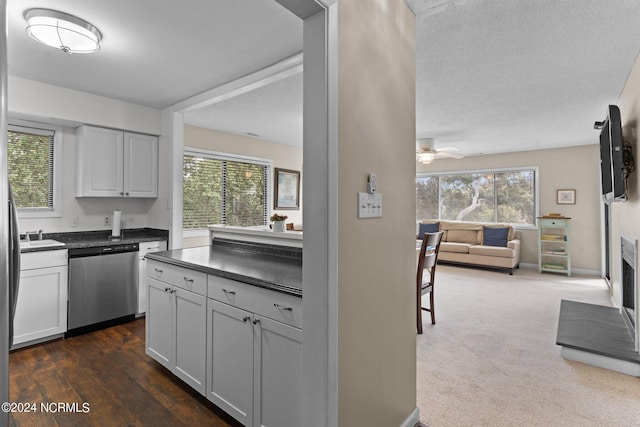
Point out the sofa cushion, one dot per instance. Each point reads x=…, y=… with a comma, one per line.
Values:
x=428, y=228
x=495, y=236
x=463, y=236
x=495, y=251
x=512, y=231
x=461, y=248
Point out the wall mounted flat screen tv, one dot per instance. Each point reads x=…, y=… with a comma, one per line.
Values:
x=611, y=161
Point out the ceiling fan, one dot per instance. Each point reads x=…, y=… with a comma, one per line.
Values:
x=426, y=151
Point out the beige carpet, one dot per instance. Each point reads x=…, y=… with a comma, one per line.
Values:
x=491, y=358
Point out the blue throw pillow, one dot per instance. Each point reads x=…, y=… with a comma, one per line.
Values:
x=428, y=228
x=495, y=236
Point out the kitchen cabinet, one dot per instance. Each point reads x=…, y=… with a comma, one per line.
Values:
x=176, y=321
x=254, y=362
x=237, y=344
x=41, y=310
x=114, y=163
x=144, y=249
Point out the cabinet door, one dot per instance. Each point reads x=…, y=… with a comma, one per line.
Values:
x=159, y=323
x=140, y=165
x=100, y=157
x=230, y=360
x=277, y=375
x=145, y=248
x=190, y=338
x=41, y=310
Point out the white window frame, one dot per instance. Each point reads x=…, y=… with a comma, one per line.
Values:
x=499, y=170
x=217, y=155
x=34, y=127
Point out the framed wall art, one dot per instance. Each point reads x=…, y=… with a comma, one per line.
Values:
x=566, y=197
x=287, y=189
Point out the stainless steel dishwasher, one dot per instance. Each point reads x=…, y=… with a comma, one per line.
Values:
x=103, y=287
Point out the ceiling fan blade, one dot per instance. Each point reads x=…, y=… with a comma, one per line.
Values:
x=448, y=155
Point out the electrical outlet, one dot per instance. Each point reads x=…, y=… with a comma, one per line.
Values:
x=107, y=220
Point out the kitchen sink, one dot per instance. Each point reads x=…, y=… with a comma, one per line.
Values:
x=40, y=243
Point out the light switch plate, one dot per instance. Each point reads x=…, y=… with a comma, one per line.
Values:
x=369, y=205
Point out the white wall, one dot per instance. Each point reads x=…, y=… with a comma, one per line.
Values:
x=52, y=104
x=376, y=262
x=575, y=168
x=283, y=156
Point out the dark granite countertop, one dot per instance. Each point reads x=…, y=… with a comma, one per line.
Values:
x=268, y=266
x=92, y=239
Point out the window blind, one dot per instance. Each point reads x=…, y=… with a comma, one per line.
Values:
x=30, y=159
x=217, y=190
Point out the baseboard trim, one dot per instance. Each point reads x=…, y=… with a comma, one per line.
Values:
x=622, y=366
x=413, y=419
x=584, y=271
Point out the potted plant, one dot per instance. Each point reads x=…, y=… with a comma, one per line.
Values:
x=278, y=222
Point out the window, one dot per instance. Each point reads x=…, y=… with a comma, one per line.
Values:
x=506, y=196
x=33, y=150
x=223, y=189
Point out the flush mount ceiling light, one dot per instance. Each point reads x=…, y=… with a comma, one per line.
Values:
x=62, y=31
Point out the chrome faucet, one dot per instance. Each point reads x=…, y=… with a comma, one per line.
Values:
x=27, y=233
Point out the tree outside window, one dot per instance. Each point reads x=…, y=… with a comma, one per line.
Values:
x=222, y=191
x=487, y=196
x=30, y=167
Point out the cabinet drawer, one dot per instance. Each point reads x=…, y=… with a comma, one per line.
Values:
x=184, y=278
x=263, y=302
x=547, y=222
x=43, y=259
x=146, y=247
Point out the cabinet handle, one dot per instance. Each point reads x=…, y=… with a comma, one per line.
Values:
x=127, y=193
x=256, y=321
x=228, y=292
x=158, y=270
x=122, y=193
x=282, y=308
x=245, y=318
x=186, y=279
x=167, y=290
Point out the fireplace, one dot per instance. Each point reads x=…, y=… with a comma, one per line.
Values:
x=629, y=284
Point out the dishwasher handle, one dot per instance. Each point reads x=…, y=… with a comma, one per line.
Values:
x=103, y=250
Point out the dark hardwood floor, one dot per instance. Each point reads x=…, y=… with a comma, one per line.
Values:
x=109, y=371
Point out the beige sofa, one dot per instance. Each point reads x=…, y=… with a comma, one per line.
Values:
x=462, y=244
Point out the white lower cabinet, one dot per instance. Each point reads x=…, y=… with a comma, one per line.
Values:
x=230, y=360
x=241, y=346
x=176, y=324
x=277, y=361
x=145, y=248
x=254, y=363
x=41, y=309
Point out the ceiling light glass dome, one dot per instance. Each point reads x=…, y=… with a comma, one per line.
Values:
x=62, y=31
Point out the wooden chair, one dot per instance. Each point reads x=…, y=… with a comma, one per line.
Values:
x=427, y=262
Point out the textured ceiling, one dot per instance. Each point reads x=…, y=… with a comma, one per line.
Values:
x=492, y=75
x=503, y=75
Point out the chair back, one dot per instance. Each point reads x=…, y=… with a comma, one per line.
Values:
x=428, y=258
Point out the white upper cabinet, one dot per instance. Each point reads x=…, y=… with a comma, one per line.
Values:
x=113, y=163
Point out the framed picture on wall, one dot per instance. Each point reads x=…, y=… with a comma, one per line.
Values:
x=566, y=197
x=287, y=189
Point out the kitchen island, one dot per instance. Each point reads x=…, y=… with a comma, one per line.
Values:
x=227, y=320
